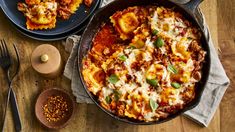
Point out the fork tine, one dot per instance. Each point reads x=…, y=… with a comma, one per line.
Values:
x=6, y=49
x=1, y=50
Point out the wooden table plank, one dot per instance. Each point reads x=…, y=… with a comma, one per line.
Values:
x=219, y=16
x=226, y=40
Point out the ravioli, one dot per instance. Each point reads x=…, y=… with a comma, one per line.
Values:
x=34, y=26
x=42, y=14
x=39, y=16
x=125, y=22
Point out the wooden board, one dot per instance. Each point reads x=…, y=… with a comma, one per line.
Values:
x=220, y=16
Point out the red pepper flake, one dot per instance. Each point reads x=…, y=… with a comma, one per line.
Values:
x=55, y=108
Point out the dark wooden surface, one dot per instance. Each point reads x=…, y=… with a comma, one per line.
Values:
x=220, y=16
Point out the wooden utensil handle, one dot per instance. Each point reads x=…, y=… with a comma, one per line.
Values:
x=15, y=111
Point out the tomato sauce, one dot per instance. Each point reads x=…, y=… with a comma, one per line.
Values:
x=105, y=38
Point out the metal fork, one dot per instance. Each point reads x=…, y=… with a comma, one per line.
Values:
x=5, y=63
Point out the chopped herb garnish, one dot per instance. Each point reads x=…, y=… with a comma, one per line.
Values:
x=189, y=38
x=108, y=99
x=175, y=85
x=116, y=95
x=152, y=82
x=113, y=78
x=153, y=104
x=122, y=58
x=132, y=47
x=158, y=43
x=154, y=32
x=172, y=69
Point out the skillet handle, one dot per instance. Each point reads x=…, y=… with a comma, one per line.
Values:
x=192, y=8
x=192, y=5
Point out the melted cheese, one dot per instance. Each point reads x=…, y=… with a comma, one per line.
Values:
x=43, y=11
x=131, y=58
x=154, y=21
x=148, y=116
x=147, y=56
x=106, y=91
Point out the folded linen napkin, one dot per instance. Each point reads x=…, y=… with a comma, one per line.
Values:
x=217, y=84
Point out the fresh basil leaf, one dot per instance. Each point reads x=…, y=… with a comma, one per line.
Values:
x=175, y=85
x=108, y=99
x=154, y=32
x=122, y=58
x=159, y=43
x=153, y=104
x=189, y=38
x=152, y=82
x=172, y=69
x=116, y=95
x=113, y=78
x=132, y=47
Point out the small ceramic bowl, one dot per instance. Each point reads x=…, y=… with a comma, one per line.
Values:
x=42, y=98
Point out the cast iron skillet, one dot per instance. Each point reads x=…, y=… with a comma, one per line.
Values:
x=188, y=11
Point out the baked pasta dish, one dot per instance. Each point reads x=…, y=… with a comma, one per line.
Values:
x=42, y=14
x=144, y=63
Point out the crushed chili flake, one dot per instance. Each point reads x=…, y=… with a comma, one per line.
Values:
x=55, y=108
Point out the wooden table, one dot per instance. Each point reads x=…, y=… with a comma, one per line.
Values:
x=220, y=16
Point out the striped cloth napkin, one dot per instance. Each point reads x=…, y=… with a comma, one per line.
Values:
x=217, y=84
